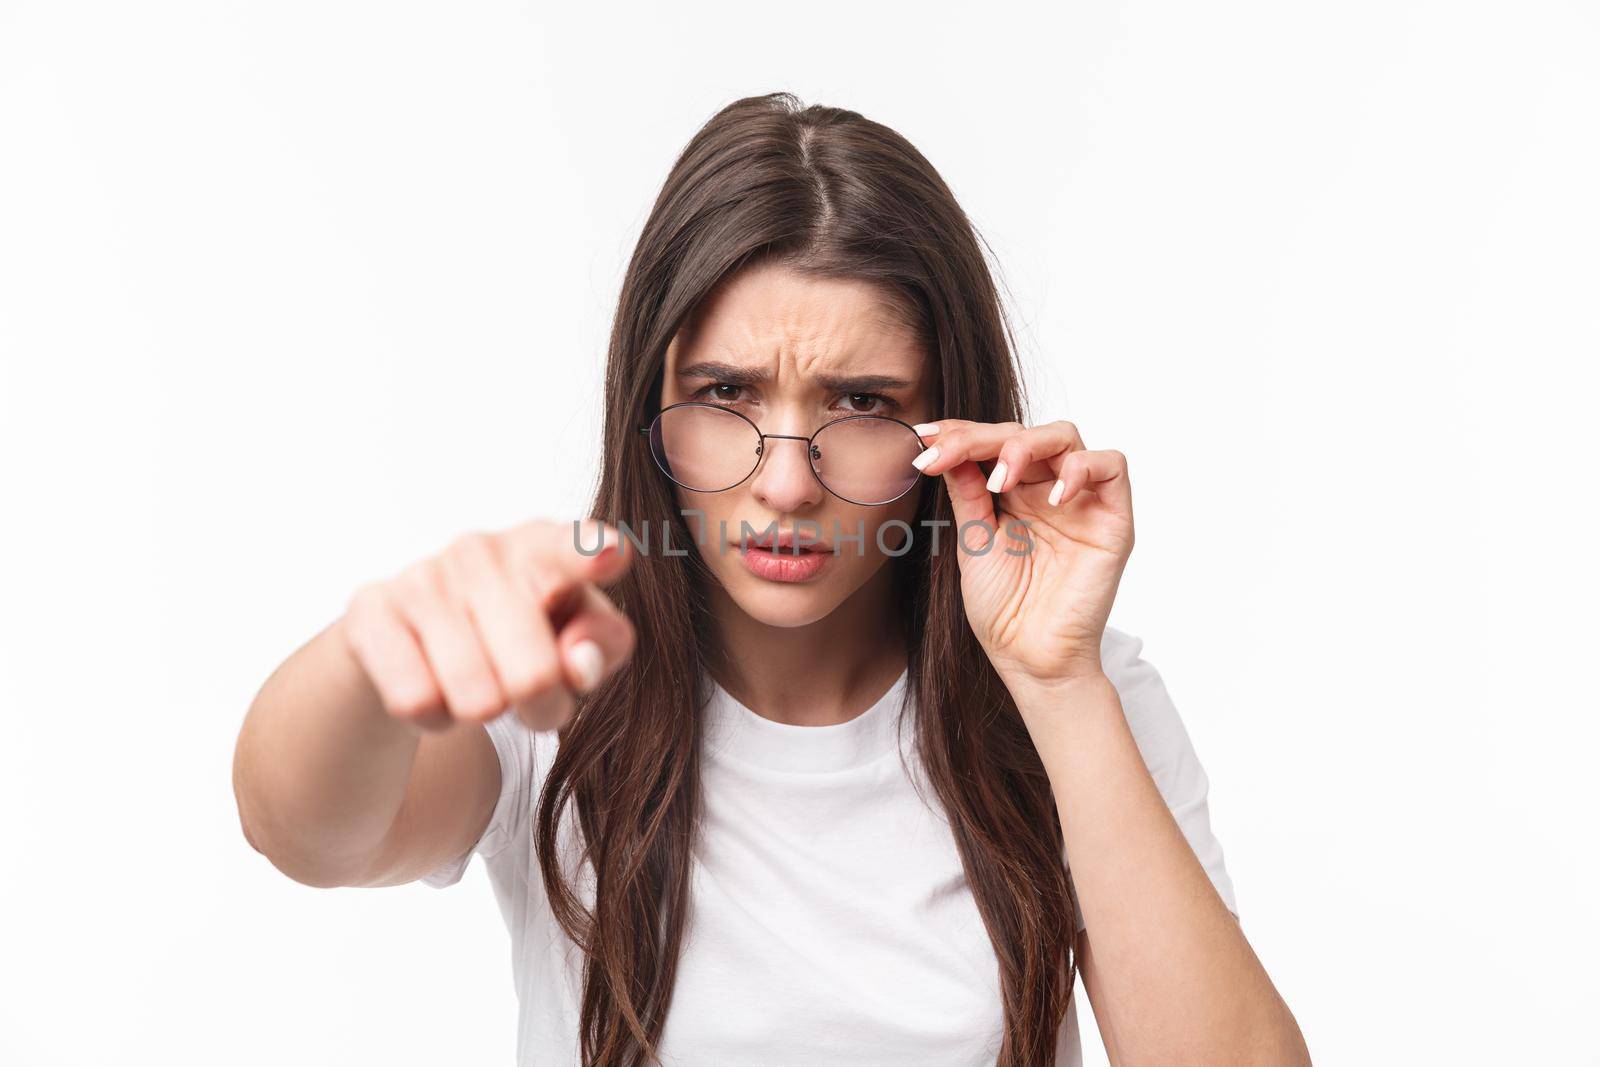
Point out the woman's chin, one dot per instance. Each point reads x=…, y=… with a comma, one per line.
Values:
x=783, y=604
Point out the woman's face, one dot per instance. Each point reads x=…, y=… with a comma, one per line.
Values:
x=792, y=353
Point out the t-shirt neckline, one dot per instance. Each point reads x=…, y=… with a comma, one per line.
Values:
x=734, y=730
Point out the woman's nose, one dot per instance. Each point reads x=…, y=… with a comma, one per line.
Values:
x=784, y=480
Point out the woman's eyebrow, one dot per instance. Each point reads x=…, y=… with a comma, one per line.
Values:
x=839, y=383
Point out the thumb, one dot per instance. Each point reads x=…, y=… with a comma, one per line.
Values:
x=608, y=564
x=558, y=562
x=971, y=502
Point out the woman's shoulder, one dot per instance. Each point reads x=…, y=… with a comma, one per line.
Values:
x=1119, y=648
x=1168, y=750
x=1151, y=713
x=525, y=753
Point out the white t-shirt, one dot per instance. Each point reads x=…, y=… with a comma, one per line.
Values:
x=831, y=921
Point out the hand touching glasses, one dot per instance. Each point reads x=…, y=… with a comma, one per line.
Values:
x=1038, y=613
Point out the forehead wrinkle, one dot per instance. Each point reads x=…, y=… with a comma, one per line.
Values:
x=852, y=372
x=780, y=331
x=832, y=344
x=804, y=320
x=740, y=373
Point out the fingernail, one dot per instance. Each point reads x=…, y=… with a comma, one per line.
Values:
x=925, y=429
x=997, y=477
x=922, y=461
x=1056, y=491
x=587, y=662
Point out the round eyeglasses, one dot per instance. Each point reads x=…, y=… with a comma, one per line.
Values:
x=708, y=448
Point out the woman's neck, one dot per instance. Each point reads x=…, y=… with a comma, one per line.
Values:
x=821, y=674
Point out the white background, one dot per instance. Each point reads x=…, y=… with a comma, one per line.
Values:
x=292, y=293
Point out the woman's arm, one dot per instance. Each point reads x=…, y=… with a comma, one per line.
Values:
x=1171, y=976
x=1179, y=983
x=335, y=791
x=342, y=773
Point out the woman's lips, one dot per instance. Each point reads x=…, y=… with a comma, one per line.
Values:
x=783, y=565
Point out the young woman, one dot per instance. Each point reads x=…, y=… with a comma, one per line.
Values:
x=813, y=802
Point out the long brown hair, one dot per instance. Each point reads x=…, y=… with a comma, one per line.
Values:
x=825, y=191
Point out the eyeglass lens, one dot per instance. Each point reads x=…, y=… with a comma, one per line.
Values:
x=866, y=460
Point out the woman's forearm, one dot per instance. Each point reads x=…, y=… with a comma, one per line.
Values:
x=320, y=768
x=1182, y=982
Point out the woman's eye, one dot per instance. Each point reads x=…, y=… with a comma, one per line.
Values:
x=710, y=391
x=869, y=398
x=856, y=403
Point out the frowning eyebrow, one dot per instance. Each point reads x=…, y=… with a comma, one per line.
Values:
x=735, y=375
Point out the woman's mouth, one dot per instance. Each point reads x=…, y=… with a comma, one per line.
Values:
x=784, y=564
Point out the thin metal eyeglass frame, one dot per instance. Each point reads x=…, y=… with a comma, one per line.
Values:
x=761, y=445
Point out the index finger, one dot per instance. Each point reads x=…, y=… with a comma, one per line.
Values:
x=562, y=556
x=958, y=440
